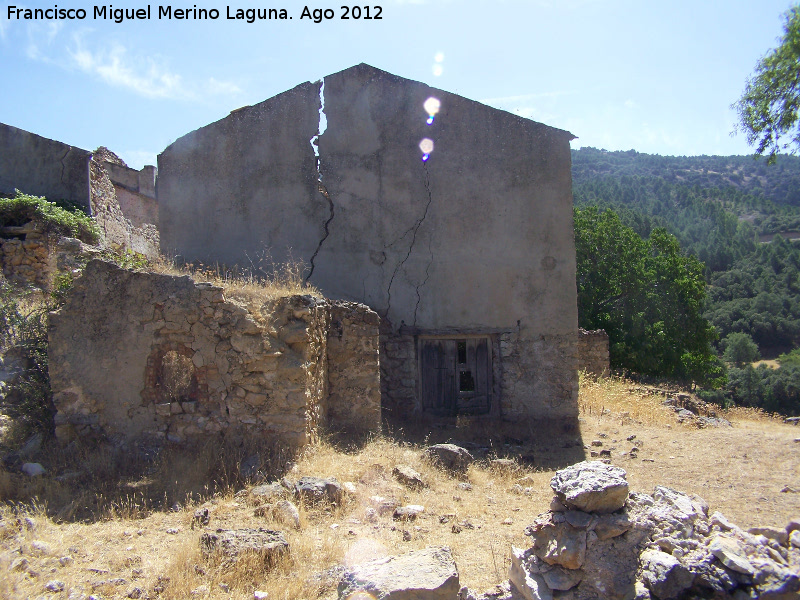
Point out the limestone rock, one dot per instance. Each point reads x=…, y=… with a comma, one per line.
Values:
x=33, y=469
x=730, y=554
x=408, y=476
x=449, y=456
x=428, y=574
x=287, y=513
x=611, y=525
x=773, y=533
x=319, y=489
x=664, y=575
x=591, y=486
x=232, y=543
x=408, y=513
x=529, y=584
x=557, y=542
x=268, y=491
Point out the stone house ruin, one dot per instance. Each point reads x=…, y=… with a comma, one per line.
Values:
x=121, y=200
x=451, y=219
x=443, y=228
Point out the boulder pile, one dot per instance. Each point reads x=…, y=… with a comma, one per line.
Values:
x=599, y=541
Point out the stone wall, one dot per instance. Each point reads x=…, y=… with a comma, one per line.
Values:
x=354, y=386
x=34, y=258
x=28, y=261
x=36, y=165
x=143, y=354
x=593, y=356
x=120, y=232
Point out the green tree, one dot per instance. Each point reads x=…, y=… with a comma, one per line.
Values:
x=771, y=98
x=647, y=295
x=739, y=348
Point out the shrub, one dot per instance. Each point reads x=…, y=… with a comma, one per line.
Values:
x=62, y=218
x=23, y=335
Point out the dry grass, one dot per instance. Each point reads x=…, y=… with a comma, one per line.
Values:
x=739, y=470
x=263, y=280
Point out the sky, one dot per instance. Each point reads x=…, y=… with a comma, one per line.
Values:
x=657, y=77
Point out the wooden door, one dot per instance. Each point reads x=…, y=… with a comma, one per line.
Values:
x=455, y=376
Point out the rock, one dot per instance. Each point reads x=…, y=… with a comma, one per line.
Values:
x=578, y=518
x=530, y=585
x=408, y=476
x=319, y=489
x=257, y=595
x=773, y=533
x=794, y=538
x=562, y=579
x=268, y=491
x=201, y=518
x=611, y=525
x=428, y=574
x=232, y=543
x=408, y=513
x=287, y=513
x=792, y=525
x=663, y=574
x=591, y=486
x=33, y=469
x=730, y=554
x=449, y=456
x=557, y=542
x=55, y=585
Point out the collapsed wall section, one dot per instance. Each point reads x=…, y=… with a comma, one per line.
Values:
x=149, y=355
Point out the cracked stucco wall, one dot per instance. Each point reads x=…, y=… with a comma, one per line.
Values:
x=42, y=167
x=479, y=238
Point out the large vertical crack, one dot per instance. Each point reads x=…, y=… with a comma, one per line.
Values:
x=413, y=231
x=63, y=166
x=314, y=141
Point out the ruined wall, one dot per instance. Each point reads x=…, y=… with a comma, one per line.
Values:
x=119, y=231
x=593, y=352
x=28, y=261
x=479, y=238
x=42, y=167
x=354, y=392
x=144, y=354
x=33, y=259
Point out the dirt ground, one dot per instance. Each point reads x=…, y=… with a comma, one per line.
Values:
x=750, y=472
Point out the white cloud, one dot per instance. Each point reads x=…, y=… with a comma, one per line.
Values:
x=114, y=66
x=147, y=77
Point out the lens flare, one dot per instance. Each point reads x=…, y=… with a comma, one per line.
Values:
x=425, y=157
x=432, y=106
x=429, y=121
x=437, y=70
x=426, y=145
x=360, y=595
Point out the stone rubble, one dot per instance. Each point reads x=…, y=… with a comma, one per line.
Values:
x=662, y=546
x=428, y=574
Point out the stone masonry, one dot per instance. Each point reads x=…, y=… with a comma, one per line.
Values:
x=593, y=352
x=148, y=355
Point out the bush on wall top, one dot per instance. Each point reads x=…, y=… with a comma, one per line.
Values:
x=53, y=219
